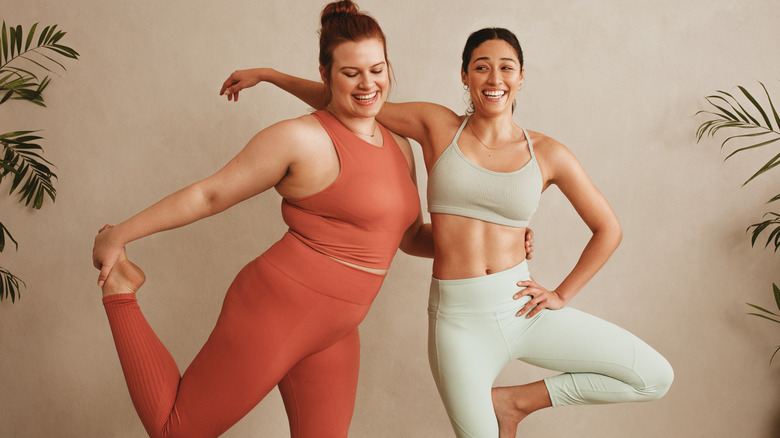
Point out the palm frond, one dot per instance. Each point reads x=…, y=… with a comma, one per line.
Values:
x=4, y=232
x=730, y=113
x=771, y=225
x=9, y=285
x=21, y=160
x=776, y=292
x=15, y=48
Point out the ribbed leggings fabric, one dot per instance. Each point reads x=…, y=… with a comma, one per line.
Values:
x=474, y=334
x=289, y=319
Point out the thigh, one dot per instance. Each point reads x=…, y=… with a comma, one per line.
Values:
x=268, y=323
x=466, y=354
x=569, y=340
x=319, y=391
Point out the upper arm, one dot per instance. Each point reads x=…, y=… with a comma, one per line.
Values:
x=419, y=121
x=260, y=165
x=564, y=170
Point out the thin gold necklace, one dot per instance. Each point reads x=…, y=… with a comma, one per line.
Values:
x=373, y=131
x=471, y=128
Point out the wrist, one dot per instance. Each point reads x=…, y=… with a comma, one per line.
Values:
x=265, y=74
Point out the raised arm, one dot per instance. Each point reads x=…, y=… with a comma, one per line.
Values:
x=312, y=93
x=258, y=167
x=561, y=168
x=424, y=122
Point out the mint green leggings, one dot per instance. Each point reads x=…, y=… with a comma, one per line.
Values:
x=474, y=333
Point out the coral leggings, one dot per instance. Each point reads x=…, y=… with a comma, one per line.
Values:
x=289, y=319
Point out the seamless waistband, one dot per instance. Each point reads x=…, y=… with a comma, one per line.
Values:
x=322, y=273
x=478, y=294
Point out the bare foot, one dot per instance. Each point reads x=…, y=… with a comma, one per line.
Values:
x=124, y=278
x=513, y=403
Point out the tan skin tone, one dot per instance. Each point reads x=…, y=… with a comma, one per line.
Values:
x=495, y=142
x=296, y=157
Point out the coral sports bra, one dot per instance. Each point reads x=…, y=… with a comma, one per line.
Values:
x=362, y=216
x=458, y=186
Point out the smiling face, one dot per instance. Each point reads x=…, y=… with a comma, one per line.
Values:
x=359, y=79
x=494, y=75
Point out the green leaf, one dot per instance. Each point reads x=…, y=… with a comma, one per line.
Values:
x=32, y=177
x=12, y=39
x=777, y=295
x=30, y=37
x=19, y=38
x=758, y=107
x=4, y=42
x=773, y=199
x=9, y=285
x=752, y=134
x=740, y=114
x=775, y=353
x=752, y=147
x=4, y=232
x=771, y=105
x=727, y=114
x=769, y=165
x=43, y=36
x=762, y=309
x=765, y=317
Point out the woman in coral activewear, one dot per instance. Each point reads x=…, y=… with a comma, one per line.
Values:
x=290, y=317
x=485, y=177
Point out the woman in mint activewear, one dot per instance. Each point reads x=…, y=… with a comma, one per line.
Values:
x=485, y=177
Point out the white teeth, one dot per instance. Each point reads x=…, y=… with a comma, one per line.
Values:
x=494, y=93
x=365, y=97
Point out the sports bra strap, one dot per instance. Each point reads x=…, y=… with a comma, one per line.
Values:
x=462, y=125
x=530, y=146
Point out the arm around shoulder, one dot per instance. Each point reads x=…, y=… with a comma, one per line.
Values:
x=311, y=92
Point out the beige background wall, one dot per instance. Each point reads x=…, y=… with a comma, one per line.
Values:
x=617, y=81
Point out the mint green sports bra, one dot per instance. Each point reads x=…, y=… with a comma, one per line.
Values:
x=458, y=186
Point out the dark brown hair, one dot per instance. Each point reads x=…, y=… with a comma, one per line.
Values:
x=342, y=21
x=487, y=34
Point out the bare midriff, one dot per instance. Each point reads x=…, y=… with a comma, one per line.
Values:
x=362, y=268
x=466, y=247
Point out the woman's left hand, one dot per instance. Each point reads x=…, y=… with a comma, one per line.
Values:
x=541, y=298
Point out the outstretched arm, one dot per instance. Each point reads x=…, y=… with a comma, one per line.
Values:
x=312, y=92
x=421, y=121
x=259, y=166
x=563, y=170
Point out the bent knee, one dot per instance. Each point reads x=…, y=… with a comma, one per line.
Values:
x=658, y=382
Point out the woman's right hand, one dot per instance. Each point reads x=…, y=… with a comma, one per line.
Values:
x=240, y=79
x=105, y=252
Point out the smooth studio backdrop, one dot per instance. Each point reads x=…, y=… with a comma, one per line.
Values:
x=618, y=82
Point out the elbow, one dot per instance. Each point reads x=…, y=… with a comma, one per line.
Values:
x=408, y=246
x=208, y=201
x=618, y=234
x=610, y=232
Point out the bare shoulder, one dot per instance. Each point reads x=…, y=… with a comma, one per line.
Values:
x=556, y=161
x=301, y=129
x=546, y=147
x=294, y=137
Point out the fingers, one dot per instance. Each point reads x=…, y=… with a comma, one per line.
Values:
x=229, y=82
x=104, y=270
x=539, y=298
